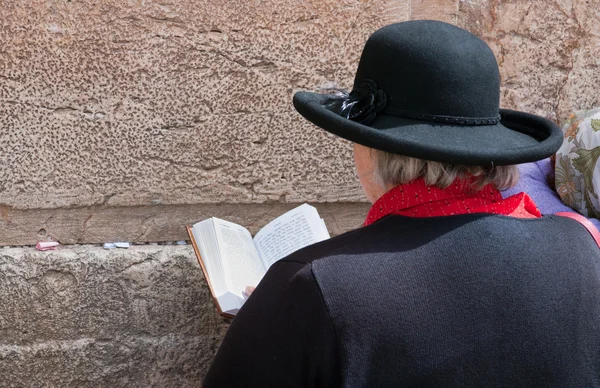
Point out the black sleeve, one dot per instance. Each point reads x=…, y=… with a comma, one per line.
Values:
x=281, y=337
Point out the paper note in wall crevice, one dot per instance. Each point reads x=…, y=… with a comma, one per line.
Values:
x=114, y=245
x=46, y=245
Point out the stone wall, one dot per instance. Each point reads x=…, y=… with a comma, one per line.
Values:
x=84, y=316
x=127, y=120
x=548, y=51
x=111, y=104
x=119, y=104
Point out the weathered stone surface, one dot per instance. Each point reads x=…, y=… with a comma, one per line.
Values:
x=444, y=10
x=127, y=120
x=83, y=316
x=548, y=51
x=167, y=361
x=118, y=104
x=153, y=223
x=175, y=102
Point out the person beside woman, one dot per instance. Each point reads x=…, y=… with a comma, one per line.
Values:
x=570, y=180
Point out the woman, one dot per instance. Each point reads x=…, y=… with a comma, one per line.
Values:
x=447, y=284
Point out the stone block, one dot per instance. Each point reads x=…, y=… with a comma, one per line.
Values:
x=99, y=224
x=90, y=292
x=85, y=316
x=444, y=10
x=547, y=52
x=167, y=361
x=144, y=103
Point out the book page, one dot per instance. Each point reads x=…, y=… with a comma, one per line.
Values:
x=242, y=265
x=204, y=235
x=286, y=234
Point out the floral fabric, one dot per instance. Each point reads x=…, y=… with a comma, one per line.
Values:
x=416, y=199
x=577, y=171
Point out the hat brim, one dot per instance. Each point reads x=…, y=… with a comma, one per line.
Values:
x=518, y=138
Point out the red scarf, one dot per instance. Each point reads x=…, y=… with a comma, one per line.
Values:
x=416, y=199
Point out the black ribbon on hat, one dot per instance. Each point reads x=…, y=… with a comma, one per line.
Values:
x=365, y=102
x=360, y=105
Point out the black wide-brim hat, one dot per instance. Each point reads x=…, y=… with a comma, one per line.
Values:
x=431, y=90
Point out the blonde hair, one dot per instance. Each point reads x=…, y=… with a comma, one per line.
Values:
x=392, y=170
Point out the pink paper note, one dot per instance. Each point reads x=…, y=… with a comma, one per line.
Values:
x=46, y=245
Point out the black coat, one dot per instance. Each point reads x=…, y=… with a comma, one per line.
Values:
x=463, y=301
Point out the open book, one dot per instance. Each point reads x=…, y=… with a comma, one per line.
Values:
x=232, y=260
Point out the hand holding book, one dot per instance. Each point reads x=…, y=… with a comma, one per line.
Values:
x=248, y=291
